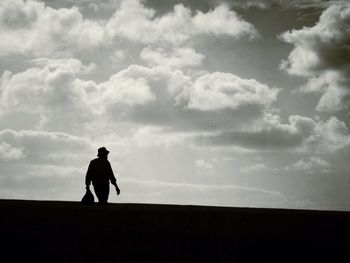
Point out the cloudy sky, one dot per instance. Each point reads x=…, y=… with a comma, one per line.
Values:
x=229, y=103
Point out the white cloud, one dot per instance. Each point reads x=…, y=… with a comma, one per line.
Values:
x=184, y=102
x=52, y=171
x=176, y=58
x=175, y=80
x=329, y=136
x=223, y=21
x=35, y=29
x=54, y=90
x=175, y=27
x=253, y=168
x=47, y=89
x=118, y=55
x=8, y=152
x=164, y=98
x=125, y=90
x=30, y=26
x=321, y=54
x=204, y=167
x=150, y=136
x=224, y=90
x=310, y=165
x=149, y=115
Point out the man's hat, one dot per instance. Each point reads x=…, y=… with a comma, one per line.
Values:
x=102, y=151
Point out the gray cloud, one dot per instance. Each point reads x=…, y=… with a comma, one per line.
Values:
x=42, y=147
x=159, y=96
x=183, y=102
x=321, y=54
x=301, y=133
x=204, y=168
x=42, y=165
x=311, y=165
x=285, y=3
x=265, y=139
x=161, y=83
x=254, y=168
x=41, y=182
x=8, y=152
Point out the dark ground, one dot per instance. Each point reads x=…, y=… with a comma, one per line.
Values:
x=33, y=231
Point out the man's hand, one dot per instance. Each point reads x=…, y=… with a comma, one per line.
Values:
x=118, y=190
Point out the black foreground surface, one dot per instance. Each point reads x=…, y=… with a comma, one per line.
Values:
x=45, y=231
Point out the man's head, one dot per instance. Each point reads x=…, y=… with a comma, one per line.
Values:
x=102, y=152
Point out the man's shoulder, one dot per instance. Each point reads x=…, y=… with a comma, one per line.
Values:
x=94, y=160
x=99, y=160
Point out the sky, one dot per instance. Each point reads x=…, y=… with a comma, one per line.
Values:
x=221, y=103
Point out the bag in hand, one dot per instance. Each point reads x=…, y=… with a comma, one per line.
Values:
x=88, y=198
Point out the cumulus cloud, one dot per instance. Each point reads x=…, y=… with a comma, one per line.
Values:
x=118, y=55
x=150, y=114
x=329, y=136
x=150, y=136
x=234, y=111
x=253, y=168
x=47, y=89
x=125, y=90
x=8, y=152
x=50, y=165
x=321, y=54
x=225, y=90
x=301, y=133
x=175, y=27
x=271, y=134
x=263, y=4
x=204, y=167
x=221, y=21
x=41, y=182
x=284, y=3
x=311, y=165
x=42, y=147
x=183, y=102
x=54, y=90
x=30, y=26
x=42, y=165
x=176, y=58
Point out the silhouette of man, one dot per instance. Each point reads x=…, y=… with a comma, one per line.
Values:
x=100, y=173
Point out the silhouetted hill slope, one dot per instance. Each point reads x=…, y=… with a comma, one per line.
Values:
x=34, y=231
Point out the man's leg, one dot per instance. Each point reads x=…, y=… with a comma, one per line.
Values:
x=102, y=192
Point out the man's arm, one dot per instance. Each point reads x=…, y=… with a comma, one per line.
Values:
x=113, y=179
x=88, y=177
